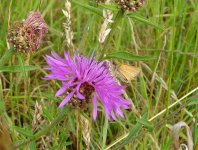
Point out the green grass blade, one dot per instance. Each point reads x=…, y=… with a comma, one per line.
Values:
x=2, y=106
x=24, y=132
x=88, y=7
x=132, y=134
x=145, y=123
x=105, y=128
x=111, y=7
x=91, y=53
x=8, y=55
x=129, y=57
x=12, y=69
x=144, y=20
x=61, y=115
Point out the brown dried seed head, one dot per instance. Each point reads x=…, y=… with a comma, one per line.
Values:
x=37, y=118
x=16, y=37
x=27, y=36
x=86, y=131
x=130, y=5
x=100, y=1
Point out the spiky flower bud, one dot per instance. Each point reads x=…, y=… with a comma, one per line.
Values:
x=27, y=36
x=130, y=5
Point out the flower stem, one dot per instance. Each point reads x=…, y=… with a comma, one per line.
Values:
x=117, y=19
x=8, y=54
x=60, y=116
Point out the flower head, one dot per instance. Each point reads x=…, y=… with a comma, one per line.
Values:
x=101, y=1
x=27, y=36
x=86, y=80
x=130, y=5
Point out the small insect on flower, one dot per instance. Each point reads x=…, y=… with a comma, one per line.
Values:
x=86, y=80
x=128, y=72
x=124, y=72
x=27, y=36
x=130, y=5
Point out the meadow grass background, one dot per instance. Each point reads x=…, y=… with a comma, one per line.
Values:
x=175, y=48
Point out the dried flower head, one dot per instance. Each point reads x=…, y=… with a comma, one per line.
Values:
x=130, y=5
x=86, y=80
x=100, y=1
x=27, y=36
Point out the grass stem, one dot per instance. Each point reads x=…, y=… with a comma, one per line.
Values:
x=60, y=116
x=7, y=55
x=154, y=117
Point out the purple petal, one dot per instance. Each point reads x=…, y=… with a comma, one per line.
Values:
x=113, y=116
x=51, y=60
x=66, y=99
x=57, y=57
x=63, y=89
x=107, y=112
x=60, y=91
x=119, y=112
x=79, y=95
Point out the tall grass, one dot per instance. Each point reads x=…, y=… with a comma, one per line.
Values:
x=166, y=30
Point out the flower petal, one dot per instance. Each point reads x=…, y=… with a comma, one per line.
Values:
x=113, y=116
x=66, y=99
x=79, y=95
x=60, y=91
x=63, y=89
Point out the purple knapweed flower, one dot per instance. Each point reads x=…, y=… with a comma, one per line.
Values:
x=86, y=79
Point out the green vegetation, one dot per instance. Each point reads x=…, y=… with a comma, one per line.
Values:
x=161, y=38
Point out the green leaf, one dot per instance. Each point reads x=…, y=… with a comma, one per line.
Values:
x=129, y=57
x=89, y=7
x=2, y=106
x=91, y=53
x=6, y=56
x=24, y=132
x=112, y=7
x=144, y=20
x=105, y=128
x=18, y=68
x=194, y=101
x=145, y=123
x=61, y=115
x=131, y=134
x=33, y=145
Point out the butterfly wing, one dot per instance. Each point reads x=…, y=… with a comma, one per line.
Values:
x=128, y=72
